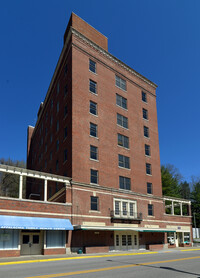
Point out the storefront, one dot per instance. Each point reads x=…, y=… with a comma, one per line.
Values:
x=33, y=235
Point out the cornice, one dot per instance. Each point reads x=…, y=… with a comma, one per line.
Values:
x=111, y=57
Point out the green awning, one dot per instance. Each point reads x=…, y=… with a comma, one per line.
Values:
x=159, y=231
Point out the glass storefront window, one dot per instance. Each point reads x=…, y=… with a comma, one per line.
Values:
x=9, y=239
x=55, y=239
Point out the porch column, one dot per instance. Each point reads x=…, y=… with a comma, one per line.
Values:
x=45, y=190
x=172, y=208
x=181, y=209
x=20, y=186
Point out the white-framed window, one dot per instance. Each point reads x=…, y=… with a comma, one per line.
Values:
x=150, y=210
x=144, y=97
x=123, y=141
x=93, y=152
x=94, y=176
x=121, y=101
x=145, y=113
x=93, y=108
x=148, y=169
x=121, y=83
x=147, y=150
x=92, y=66
x=123, y=161
x=93, y=87
x=93, y=130
x=146, y=131
x=94, y=203
x=122, y=120
x=125, y=208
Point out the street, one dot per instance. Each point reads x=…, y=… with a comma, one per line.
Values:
x=174, y=263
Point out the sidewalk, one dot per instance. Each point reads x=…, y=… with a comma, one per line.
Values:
x=40, y=258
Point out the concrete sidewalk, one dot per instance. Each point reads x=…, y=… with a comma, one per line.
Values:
x=38, y=258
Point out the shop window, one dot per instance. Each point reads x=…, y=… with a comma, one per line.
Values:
x=55, y=239
x=9, y=239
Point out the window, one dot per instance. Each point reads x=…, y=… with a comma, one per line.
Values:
x=52, y=104
x=93, y=87
x=121, y=101
x=65, y=132
x=9, y=239
x=94, y=203
x=45, y=164
x=57, y=145
x=147, y=150
x=45, y=131
x=144, y=97
x=123, y=141
x=93, y=176
x=50, y=156
x=93, y=152
x=93, y=130
x=150, y=209
x=121, y=83
x=146, y=131
x=65, y=155
x=46, y=116
x=149, y=187
x=57, y=126
x=148, y=169
x=124, y=161
x=57, y=165
x=122, y=121
x=92, y=66
x=55, y=239
x=57, y=108
x=125, y=208
x=93, y=108
x=51, y=138
x=65, y=90
x=65, y=111
x=124, y=183
x=45, y=148
x=145, y=114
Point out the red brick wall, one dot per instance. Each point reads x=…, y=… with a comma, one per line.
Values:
x=107, y=124
x=13, y=206
x=92, y=238
x=87, y=30
x=54, y=251
x=9, y=253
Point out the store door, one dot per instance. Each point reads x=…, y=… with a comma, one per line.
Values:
x=31, y=243
x=126, y=241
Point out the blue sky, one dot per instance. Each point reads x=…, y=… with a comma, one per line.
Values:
x=159, y=39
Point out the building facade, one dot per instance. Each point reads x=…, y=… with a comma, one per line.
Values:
x=98, y=126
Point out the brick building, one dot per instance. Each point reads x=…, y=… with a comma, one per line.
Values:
x=98, y=126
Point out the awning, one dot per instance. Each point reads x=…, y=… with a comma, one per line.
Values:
x=34, y=223
x=160, y=231
x=112, y=228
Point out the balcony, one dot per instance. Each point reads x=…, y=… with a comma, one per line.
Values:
x=125, y=216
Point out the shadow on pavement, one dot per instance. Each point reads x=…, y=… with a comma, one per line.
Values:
x=159, y=267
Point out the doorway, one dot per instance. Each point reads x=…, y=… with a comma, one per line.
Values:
x=126, y=240
x=31, y=243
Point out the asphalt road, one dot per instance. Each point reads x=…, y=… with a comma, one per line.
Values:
x=162, y=264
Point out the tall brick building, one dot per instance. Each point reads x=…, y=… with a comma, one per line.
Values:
x=98, y=126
